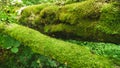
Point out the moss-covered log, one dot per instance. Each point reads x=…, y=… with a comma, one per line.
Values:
x=70, y=54
x=94, y=20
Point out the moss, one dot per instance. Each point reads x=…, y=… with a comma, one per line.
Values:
x=30, y=13
x=112, y=51
x=92, y=20
x=73, y=1
x=87, y=30
x=49, y=15
x=110, y=18
x=71, y=13
x=74, y=13
x=58, y=28
x=70, y=54
x=35, y=9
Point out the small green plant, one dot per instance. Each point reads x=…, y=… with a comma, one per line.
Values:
x=7, y=12
x=7, y=42
x=26, y=58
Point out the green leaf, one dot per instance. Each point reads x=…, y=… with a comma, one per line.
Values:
x=16, y=44
x=14, y=49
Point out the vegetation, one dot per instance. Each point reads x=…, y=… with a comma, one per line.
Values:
x=58, y=50
x=95, y=19
x=86, y=34
x=109, y=50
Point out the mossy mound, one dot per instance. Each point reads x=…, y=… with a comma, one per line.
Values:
x=70, y=14
x=88, y=20
x=70, y=54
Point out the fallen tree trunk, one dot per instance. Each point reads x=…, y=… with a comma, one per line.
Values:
x=91, y=20
x=70, y=54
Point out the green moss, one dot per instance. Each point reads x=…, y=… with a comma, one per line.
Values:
x=70, y=54
x=30, y=14
x=84, y=29
x=73, y=1
x=72, y=13
x=34, y=9
x=58, y=28
x=110, y=19
x=110, y=50
x=90, y=19
x=49, y=15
